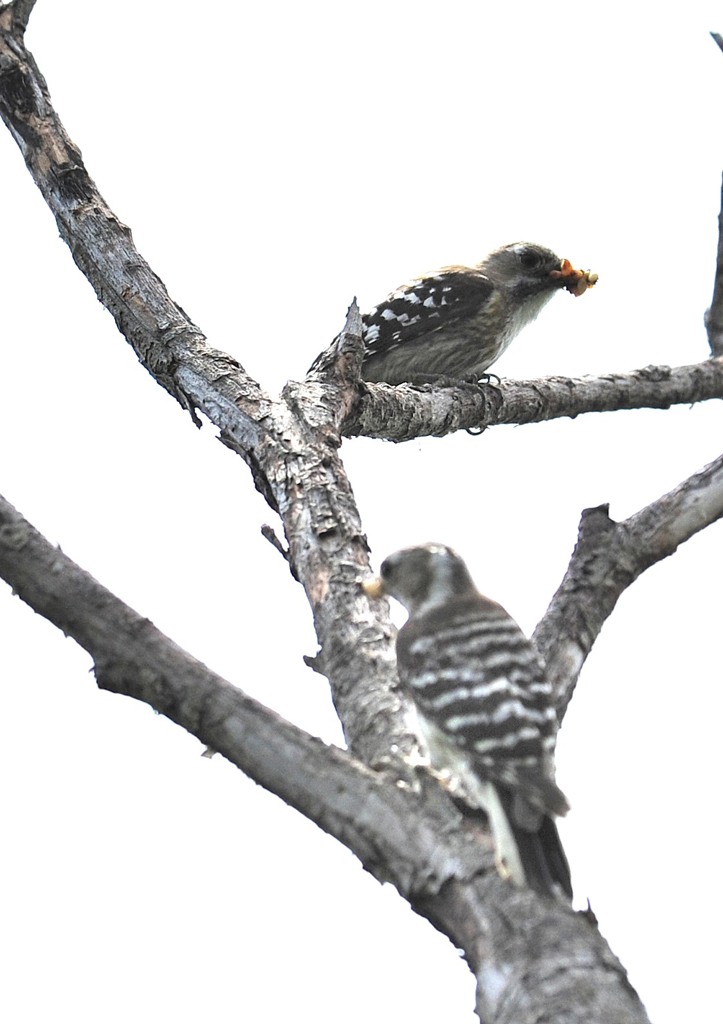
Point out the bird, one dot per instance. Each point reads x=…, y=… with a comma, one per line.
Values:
x=453, y=324
x=485, y=709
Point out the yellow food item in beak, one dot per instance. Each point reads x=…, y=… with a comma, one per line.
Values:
x=577, y=282
x=373, y=587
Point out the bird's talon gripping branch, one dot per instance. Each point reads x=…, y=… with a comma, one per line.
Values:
x=488, y=378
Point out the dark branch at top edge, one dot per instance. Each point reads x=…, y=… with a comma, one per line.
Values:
x=714, y=315
x=18, y=14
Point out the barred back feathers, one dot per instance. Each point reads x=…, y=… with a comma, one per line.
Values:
x=485, y=709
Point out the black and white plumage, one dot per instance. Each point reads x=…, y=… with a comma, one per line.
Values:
x=484, y=706
x=456, y=322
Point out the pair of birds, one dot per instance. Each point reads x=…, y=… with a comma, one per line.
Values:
x=485, y=708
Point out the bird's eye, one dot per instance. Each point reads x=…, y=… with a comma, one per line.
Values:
x=529, y=259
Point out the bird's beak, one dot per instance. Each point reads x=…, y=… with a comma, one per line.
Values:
x=373, y=587
x=577, y=282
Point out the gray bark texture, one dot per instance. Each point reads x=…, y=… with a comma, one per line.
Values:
x=533, y=959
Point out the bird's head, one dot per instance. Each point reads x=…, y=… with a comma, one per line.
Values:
x=525, y=269
x=422, y=577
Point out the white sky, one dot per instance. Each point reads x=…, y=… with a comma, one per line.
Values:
x=272, y=162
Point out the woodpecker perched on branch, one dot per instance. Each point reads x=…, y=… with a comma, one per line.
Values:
x=484, y=706
x=456, y=322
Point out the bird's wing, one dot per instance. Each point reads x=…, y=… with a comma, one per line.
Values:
x=475, y=675
x=425, y=305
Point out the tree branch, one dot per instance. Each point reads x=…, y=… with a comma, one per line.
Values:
x=14, y=16
x=161, y=334
x=528, y=954
x=714, y=315
x=609, y=557
x=132, y=657
x=406, y=412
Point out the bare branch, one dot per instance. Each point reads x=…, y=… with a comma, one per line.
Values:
x=406, y=412
x=609, y=557
x=162, y=335
x=133, y=658
x=527, y=954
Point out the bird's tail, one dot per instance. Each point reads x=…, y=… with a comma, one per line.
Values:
x=543, y=859
x=528, y=847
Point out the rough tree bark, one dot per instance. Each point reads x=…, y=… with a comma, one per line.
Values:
x=533, y=959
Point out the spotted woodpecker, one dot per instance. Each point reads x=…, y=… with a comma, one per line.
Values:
x=456, y=322
x=485, y=709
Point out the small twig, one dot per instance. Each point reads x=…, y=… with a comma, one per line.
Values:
x=270, y=534
x=334, y=379
x=315, y=662
x=342, y=360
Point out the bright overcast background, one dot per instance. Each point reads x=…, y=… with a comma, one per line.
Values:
x=272, y=161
